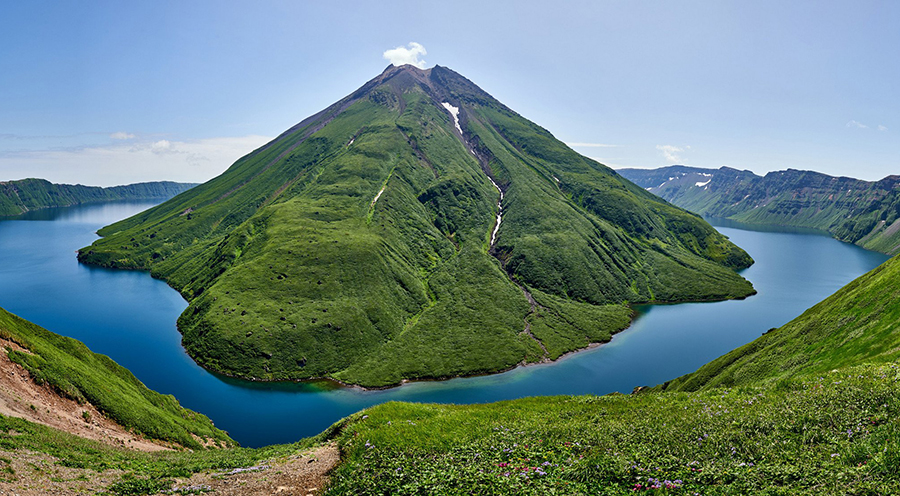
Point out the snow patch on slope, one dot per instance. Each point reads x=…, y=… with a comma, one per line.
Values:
x=378, y=195
x=499, y=212
x=454, y=111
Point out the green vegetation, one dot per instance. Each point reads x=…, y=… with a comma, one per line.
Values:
x=835, y=433
x=808, y=408
x=862, y=212
x=356, y=245
x=77, y=373
x=144, y=473
x=855, y=325
x=17, y=197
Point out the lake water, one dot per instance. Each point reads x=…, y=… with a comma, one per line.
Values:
x=131, y=317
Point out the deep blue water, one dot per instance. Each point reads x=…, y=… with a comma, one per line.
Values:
x=131, y=317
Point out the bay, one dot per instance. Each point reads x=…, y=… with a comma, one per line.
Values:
x=131, y=317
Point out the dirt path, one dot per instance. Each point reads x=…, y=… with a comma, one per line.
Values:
x=301, y=474
x=21, y=397
x=37, y=474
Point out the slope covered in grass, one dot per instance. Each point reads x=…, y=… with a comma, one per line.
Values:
x=116, y=471
x=812, y=407
x=866, y=213
x=806, y=413
x=17, y=197
x=358, y=244
x=857, y=324
x=77, y=373
x=834, y=433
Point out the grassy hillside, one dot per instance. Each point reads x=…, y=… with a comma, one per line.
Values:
x=77, y=373
x=834, y=433
x=358, y=244
x=120, y=471
x=861, y=212
x=17, y=197
x=808, y=408
x=855, y=325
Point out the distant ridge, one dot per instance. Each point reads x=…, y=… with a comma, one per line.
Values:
x=18, y=197
x=866, y=213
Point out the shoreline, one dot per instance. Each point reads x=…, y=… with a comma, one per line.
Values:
x=522, y=364
x=346, y=385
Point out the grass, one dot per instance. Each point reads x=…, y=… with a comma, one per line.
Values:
x=856, y=324
x=293, y=271
x=142, y=473
x=75, y=372
x=834, y=433
x=808, y=408
x=812, y=407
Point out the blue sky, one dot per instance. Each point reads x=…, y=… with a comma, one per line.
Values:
x=115, y=92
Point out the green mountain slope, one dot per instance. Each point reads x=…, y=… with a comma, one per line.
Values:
x=834, y=434
x=812, y=407
x=77, y=373
x=861, y=212
x=363, y=243
x=17, y=197
x=820, y=421
x=857, y=324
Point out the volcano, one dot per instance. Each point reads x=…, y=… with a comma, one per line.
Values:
x=416, y=229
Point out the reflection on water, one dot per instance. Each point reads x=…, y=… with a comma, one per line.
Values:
x=89, y=212
x=724, y=222
x=131, y=317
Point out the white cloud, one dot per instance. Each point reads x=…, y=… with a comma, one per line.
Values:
x=856, y=124
x=121, y=135
x=671, y=152
x=124, y=163
x=592, y=145
x=410, y=55
x=162, y=146
x=882, y=128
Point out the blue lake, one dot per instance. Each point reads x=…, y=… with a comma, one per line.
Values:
x=131, y=317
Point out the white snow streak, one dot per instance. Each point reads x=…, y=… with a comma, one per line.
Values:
x=499, y=212
x=703, y=184
x=454, y=111
x=378, y=195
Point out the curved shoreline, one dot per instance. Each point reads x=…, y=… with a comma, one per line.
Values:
x=359, y=387
x=522, y=364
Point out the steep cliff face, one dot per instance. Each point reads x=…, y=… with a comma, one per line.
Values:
x=417, y=228
x=856, y=211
